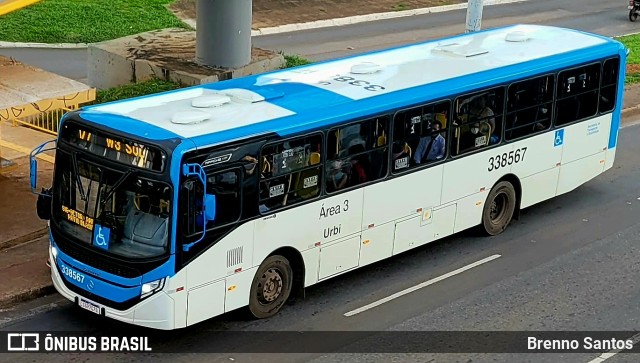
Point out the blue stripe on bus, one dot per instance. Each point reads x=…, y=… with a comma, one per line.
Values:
x=617, y=114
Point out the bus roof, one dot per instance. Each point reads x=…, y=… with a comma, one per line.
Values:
x=321, y=94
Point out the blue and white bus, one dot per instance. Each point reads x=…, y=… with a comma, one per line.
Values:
x=170, y=209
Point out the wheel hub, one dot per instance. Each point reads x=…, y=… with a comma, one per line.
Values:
x=270, y=286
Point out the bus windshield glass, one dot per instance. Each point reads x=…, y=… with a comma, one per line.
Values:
x=115, y=211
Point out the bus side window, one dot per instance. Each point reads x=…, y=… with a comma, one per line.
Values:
x=478, y=120
x=529, y=105
x=294, y=172
x=420, y=136
x=357, y=153
x=577, y=94
x=609, y=84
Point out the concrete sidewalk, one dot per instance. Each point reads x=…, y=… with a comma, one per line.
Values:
x=24, y=242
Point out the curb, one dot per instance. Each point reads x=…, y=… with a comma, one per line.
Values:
x=366, y=18
x=293, y=27
x=43, y=45
x=23, y=239
x=27, y=295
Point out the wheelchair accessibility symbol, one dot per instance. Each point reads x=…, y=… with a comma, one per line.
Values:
x=101, y=236
x=559, y=138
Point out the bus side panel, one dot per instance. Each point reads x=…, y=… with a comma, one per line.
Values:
x=578, y=172
x=584, y=152
x=206, y=286
x=205, y=302
x=398, y=199
x=310, y=226
x=536, y=164
x=402, y=197
x=377, y=243
x=470, y=174
x=239, y=289
x=611, y=157
x=468, y=180
x=586, y=138
x=539, y=187
x=231, y=255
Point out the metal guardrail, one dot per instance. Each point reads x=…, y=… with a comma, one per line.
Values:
x=46, y=121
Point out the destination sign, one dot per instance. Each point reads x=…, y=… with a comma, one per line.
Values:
x=78, y=218
x=114, y=148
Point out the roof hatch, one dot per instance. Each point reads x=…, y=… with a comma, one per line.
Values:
x=210, y=100
x=365, y=68
x=517, y=36
x=459, y=50
x=241, y=95
x=189, y=117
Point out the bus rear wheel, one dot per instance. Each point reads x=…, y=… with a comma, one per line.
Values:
x=498, y=209
x=271, y=287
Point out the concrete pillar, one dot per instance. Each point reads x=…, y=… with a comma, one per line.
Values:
x=474, y=16
x=223, y=32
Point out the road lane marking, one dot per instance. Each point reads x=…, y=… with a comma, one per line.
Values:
x=420, y=286
x=604, y=356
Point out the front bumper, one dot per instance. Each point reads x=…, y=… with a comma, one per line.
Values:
x=155, y=312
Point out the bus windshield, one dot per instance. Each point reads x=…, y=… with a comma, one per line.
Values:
x=115, y=211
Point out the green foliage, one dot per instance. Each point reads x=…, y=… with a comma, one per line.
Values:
x=295, y=60
x=633, y=61
x=86, y=21
x=135, y=90
x=400, y=7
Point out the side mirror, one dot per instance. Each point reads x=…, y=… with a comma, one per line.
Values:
x=33, y=162
x=210, y=207
x=33, y=173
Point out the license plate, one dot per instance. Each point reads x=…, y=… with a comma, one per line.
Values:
x=89, y=306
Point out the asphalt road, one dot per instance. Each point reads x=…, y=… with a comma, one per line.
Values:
x=602, y=17
x=571, y=263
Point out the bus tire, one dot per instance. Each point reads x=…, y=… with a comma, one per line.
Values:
x=499, y=208
x=271, y=287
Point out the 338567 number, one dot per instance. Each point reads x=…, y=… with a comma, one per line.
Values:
x=505, y=159
x=353, y=82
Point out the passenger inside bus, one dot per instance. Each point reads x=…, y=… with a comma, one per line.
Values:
x=400, y=156
x=338, y=176
x=479, y=111
x=432, y=146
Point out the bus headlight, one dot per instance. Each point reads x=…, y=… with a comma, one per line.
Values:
x=152, y=287
x=54, y=253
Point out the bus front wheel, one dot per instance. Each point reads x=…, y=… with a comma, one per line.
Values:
x=271, y=287
x=498, y=209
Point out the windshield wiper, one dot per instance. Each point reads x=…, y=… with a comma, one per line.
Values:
x=83, y=196
x=116, y=186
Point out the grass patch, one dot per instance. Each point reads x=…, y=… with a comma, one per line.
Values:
x=85, y=21
x=633, y=61
x=295, y=60
x=134, y=90
x=400, y=7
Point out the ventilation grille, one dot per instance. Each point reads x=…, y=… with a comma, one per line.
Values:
x=234, y=256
